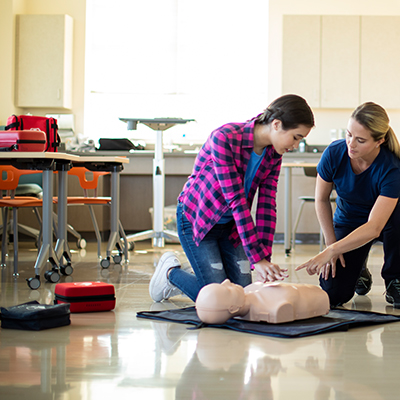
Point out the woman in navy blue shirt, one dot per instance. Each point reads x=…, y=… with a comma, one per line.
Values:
x=364, y=169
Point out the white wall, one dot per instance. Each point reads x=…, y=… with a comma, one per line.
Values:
x=326, y=119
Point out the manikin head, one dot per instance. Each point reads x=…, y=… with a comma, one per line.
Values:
x=217, y=302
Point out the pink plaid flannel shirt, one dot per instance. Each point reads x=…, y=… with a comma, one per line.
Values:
x=217, y=184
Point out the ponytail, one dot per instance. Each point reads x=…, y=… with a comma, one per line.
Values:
x=392, y=142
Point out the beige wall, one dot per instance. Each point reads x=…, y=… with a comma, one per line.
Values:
x=325, y=119
x=8, y=9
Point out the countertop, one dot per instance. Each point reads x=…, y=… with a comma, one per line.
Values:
x=177, y=162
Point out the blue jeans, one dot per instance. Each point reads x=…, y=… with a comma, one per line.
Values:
x=213, y=261
x=341, y=288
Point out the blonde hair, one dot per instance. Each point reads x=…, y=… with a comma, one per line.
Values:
x=374, y=118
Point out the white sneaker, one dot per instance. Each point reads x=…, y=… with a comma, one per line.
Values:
x=160, y=287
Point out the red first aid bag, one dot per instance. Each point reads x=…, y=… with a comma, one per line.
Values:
x=31, y=122
x=85, y=296
x=22, y=141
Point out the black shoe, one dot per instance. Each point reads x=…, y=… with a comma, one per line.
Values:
x=364, y=283
x=393, y=293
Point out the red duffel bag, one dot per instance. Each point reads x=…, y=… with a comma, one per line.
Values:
x=47, y=125
x=33, y=140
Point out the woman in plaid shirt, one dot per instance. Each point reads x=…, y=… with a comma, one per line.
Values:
x=215, y=226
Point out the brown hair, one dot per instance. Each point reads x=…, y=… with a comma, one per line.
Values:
x=291, y=110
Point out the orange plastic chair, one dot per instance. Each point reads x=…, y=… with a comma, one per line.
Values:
x=89, y=180
x=9, y=179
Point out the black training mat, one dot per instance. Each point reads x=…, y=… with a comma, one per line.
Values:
x=336, y=320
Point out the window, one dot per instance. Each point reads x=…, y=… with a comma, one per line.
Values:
x=205, y=60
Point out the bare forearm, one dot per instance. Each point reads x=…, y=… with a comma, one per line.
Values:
x=378, y=218
x=328, y=257
x=325, y=218
x=360, y=236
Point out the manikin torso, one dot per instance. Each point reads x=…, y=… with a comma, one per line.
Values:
x=273, y=302
x=278, y=302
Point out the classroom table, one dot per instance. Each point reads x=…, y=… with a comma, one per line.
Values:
x=113, y=164
x=46, y=162
x=287, y=167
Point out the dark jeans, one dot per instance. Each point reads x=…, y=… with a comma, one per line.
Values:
x=213, y=261
x=341, y=288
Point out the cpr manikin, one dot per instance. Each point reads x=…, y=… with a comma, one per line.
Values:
x=273, y=302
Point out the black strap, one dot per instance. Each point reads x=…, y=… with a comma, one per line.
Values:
x=52, y=129
x=11, y=148
x=15, y=124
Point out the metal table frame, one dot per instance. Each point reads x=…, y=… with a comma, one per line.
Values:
x=46, y=162
x=158, y=233
x=114, y=165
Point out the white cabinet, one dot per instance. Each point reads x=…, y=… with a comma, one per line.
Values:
x=342, y=61
x=44, y=61
x=380, y=59
x=301, y=57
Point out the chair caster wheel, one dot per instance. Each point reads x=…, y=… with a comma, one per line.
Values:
x=131, y=246
x=117, y=259
x=66, y=270
x=33, y=283
x=52, y=276
x=105, y=263
x=81, y=243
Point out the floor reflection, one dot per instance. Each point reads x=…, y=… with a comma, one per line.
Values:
x=116, y=355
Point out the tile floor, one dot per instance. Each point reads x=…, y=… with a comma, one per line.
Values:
x=116, y=355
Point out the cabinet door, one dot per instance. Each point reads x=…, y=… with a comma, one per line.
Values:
x=301, y=57
x=44, y=61
x=340, y=61
x=380, y=60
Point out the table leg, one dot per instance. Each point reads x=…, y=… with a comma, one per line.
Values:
x=46, y=252
x=116, y=226
x=158, y=192
x=288, y=210
x=157, y=233
x=62, y=248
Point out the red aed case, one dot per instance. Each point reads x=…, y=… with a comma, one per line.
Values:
x=27, y=140
x=86, y=296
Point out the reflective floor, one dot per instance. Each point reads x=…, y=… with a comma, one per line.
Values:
x=115, y=355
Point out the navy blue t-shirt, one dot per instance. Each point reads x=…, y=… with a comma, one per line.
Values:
x=357, y=193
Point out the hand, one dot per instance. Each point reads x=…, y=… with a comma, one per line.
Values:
x=324, y=271
x=269, y=272
x=323, y=262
